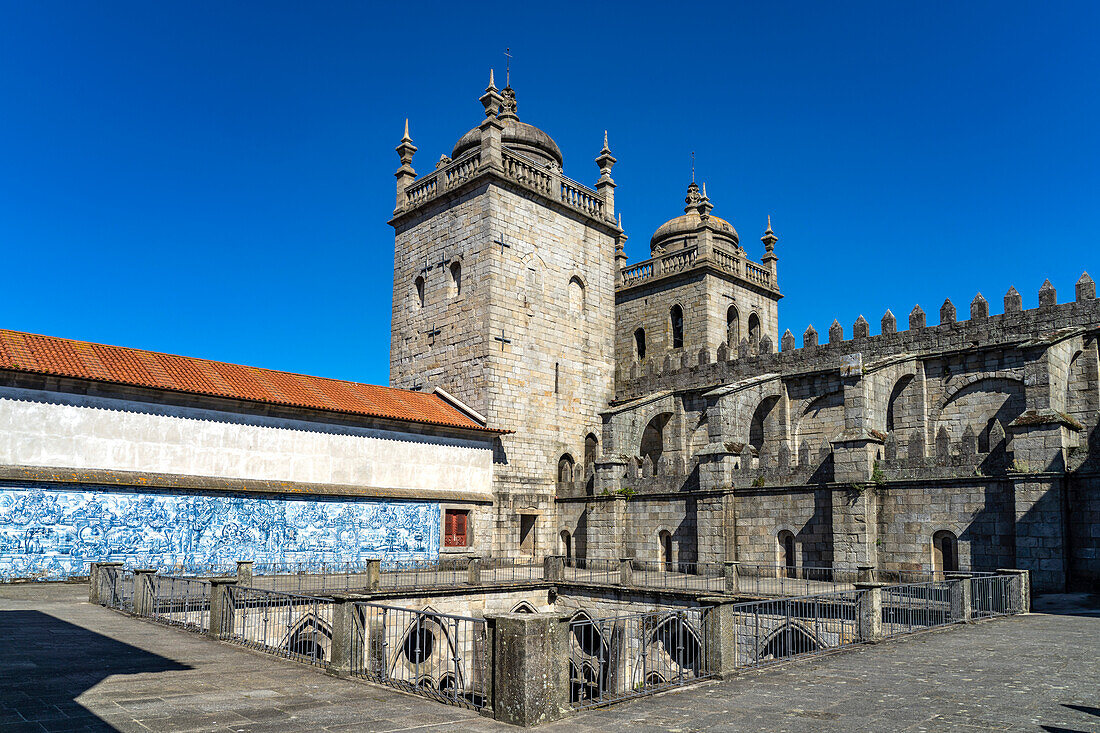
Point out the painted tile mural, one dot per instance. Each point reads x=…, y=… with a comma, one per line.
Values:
x=53, y=533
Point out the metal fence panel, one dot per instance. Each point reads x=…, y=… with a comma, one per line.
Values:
x=288, y=625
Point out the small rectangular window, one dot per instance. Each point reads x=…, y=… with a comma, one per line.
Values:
x=527, y=533
x=456, y=527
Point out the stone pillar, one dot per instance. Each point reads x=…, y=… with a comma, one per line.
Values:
x=374, y=574
x=490, y=144
x=619, y=672
x=553, y=569
x=719, y=636
x=865, y=573
x=626, y=571
x=1019, y=587
x=607, y=474
x=93, y=582
x=530, y=667
x=221, y=607
x=732, y=576
x=347, y=638
x=144, y=591
x=869, y=612
x=855, y=526
x=473, y=570
x=108, y=581
x=244, y=572
x=958, y=591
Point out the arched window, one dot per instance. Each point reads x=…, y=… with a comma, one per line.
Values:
x=576, y=295
x=754, y=327
x=664, y=549
x=639, y=344
x=733, y=327
x=565, y=470
x=653, y=438
x=787, y=561
x=419, y=291
x=761, y=421
x=456, y=279
x=566, y=545
x=676, y=321
x=945, y=552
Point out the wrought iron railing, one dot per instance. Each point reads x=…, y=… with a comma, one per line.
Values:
x=437, y=655
x=991, y=596
x=916, y=607
x=613, y=659
x=181, y=602
x=775, y=630
x=119, y=587
x=285, y=624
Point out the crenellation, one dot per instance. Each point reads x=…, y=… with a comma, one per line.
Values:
x=916, y=318
x=979, y=308
x=1085, y=288
x=809, y=337
x=947, y=312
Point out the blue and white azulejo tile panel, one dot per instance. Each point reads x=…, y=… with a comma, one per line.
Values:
x=52, y=533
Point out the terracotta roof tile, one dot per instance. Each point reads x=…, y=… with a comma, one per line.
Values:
x=27, y=352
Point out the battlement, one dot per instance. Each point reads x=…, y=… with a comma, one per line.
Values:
x=681, y=369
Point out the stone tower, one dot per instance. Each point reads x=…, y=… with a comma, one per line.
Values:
x=698, y=291
x=503, y=295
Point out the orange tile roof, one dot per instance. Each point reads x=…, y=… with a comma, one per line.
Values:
x=28, y=352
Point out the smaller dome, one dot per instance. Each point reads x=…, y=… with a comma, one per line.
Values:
x=681, y=231
x=527, y=139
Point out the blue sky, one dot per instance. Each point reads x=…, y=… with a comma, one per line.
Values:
x=214, y=179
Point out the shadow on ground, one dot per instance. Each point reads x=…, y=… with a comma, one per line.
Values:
x=47, y=663
x=1068, y=604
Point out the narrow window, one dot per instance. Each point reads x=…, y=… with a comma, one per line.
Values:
x=676, y=318
x=456, y=523
x=639, y=344
x=420, y=291
x=557, y=366
x=565, y=469
x=733, y=327
x=754, y=327
x=576, y=295
x=527, y=533
x=664, y=549
x=456, y=279
x=566, y=545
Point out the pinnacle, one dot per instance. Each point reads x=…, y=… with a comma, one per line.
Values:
x=861, y=319
x=406, y=136
x=492, y=84
x=1084, y=279
x=1047, y=285
x=1012, y=291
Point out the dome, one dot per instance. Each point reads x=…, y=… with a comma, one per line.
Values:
x=680, y=232
x=527, y=139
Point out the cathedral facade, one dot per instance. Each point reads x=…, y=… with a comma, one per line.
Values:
x=657, y=413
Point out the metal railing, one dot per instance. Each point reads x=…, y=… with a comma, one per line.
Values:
x=915, y=607
x=444, y=571
x=285, y=624
x=775, y=630
x=698, y=576
x=585, y=570
x=613, y=659
x=119, y=583
x=441, y=656
x=990, y=596
x=181, y=602
x=505, y=570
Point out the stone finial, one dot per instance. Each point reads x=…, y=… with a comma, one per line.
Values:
x=668, y=364
x=916, y=318
x=704, y=356
x=744, y=349
x=996, y=435
x=769, y=239
x=1013, y=302
x=1086, y=288
x=916, y=444
x=746, y=458
x=509, y=109
x=723, y=352
x=890, y=450
x=889, y=323
x=405, y=148
x=787, y=342
x=605, y=160
x=765, y=346
x=979, y=307
x=804, y=452
x=1048, y=296
x=647, y=466
x=861, y=329
x=809, y=337
x=943, y=443
x=836, y=332
x=784, y=456
x=948, y=314
x=491, y=99
x=969, y=443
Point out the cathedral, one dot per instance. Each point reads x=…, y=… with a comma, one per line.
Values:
x=547, y=397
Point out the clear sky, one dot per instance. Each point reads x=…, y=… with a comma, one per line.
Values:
x=214, y=178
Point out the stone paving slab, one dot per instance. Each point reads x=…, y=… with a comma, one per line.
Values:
x=68, y=665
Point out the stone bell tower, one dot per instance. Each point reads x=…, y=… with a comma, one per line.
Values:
x=504, y=295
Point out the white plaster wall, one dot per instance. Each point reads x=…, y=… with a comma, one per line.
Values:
x=50, y=429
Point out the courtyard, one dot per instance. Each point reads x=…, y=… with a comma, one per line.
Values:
x=70, y=665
